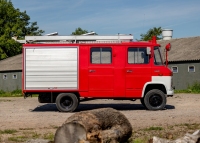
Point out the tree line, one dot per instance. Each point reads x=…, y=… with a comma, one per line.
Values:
x=14, y=23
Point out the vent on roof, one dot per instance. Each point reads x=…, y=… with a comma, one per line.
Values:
x=167, y=34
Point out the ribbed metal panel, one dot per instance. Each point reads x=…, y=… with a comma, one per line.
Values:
x=51, y=68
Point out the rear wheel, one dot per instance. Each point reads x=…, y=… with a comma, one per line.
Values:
x=67, y=102
x=155, y=100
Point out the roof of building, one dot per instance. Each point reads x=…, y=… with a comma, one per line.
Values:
x=11, y=63
x=183, y=49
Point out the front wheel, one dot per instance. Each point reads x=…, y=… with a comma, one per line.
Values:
x=67, y=102
x=155, y=100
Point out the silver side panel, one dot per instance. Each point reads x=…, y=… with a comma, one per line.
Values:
x=51, y=68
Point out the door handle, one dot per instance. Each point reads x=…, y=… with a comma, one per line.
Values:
x=129, y=71
x=91, y=70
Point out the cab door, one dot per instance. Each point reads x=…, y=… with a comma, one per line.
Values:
x=101, y=72
x=137, y=71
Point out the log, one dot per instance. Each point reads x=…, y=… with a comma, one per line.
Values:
x=105, y=125
x=188, y=138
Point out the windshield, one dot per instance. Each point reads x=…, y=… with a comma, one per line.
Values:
x=157, y=56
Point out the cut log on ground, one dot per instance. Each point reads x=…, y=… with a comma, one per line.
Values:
x=188, y=138
x=104, y=125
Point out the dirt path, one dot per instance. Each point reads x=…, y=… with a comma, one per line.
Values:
x=22, y=114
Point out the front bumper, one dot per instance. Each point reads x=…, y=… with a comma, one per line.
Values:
x=170, y=93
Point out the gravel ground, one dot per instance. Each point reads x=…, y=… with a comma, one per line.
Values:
x=24, y=114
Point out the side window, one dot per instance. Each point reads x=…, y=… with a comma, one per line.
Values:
x=137, y=56
x=14, y=76
x=5, y=76
x=174, y=69
x=157, y=56
x=100, y=55
x=191, y=68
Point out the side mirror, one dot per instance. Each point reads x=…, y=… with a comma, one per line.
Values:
x=168, y=47
x=148, y=50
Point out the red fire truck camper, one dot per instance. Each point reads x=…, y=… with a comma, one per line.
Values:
x=65, y=69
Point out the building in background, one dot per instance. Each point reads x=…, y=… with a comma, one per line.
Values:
x=11, y=73
x=184, y=60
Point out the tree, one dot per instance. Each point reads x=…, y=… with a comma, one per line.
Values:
x=152, y=32
x=14, y=23
x=80, y=31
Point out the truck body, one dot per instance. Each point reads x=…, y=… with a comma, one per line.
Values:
x=64, y=73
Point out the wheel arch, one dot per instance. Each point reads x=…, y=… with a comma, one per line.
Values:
x=151, y=85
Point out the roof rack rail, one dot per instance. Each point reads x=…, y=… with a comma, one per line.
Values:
x=77, y=38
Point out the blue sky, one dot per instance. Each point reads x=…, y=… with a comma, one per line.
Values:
x=109, y=17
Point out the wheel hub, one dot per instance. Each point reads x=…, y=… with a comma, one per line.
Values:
x=66, y=103
x=155, y=100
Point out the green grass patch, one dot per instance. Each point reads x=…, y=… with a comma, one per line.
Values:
x=36, y=135
x=188, y=126
x=8, y=131
x=18, y=139
x=48, y=136
x=15, y=93
x=194, y=88
x=26, y=129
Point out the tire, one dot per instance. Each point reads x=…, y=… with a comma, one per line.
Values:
x=67, y=102
x=155, y=100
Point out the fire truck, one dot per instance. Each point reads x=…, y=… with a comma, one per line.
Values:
x=68, y=69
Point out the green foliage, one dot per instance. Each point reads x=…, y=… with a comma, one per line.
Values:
x=35, y=135
x=150, y=33
x=14, y=23
x=18, y=139
x=48, y=136
x=194, y=88
x=9, y=131
x=2, y=92
x=15, y=93
x=80, y=31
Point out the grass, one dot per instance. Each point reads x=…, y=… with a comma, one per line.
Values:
x=49, y=136
x=26, y=129
x=18, y=139
x=36, y=135
x=190, y=126
x=15, y=93
x=176, y=131
x=194, y=88
x=138, y=135
x=8, y=131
